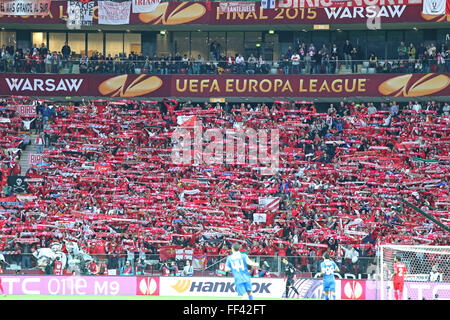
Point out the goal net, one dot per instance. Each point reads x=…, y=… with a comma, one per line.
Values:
x=427, y=277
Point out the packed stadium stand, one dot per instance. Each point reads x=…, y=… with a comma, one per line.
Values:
x=106, y=181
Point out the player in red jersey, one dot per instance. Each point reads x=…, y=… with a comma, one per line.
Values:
x=58, y=266
x=399, y=277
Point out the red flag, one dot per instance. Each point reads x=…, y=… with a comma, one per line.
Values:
x=190, y=122
x=168, y=252
x=447, y=7
x=102, y=168
x=9, y=199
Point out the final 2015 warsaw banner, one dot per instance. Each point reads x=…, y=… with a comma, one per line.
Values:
x=179, y=13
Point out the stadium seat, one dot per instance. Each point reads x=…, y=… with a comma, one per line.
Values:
x=76, y=68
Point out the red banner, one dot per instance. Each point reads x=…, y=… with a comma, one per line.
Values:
x=27, y=240
x=207, y=86
x=342, y=3
x=102, y=168
x=26, y=110
x=178, y=13
x=168, y=252
x=34, y=158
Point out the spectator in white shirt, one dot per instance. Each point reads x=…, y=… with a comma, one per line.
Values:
x=27, y=123
x=39, y=143
x=394, y=109
x=446, y=109
x=417, y=107
x=372, y=109
x=26, y=140
x=350, y=258
x=308, y=57
x=295, y=61
x=387, y=121
x=240, y=61
x=48, y=63
x=261, y=65
x=431, y=49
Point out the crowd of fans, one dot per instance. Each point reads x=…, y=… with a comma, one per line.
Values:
x=107, y=181
x=42, y=60
x=303, y=59
x=328, y=59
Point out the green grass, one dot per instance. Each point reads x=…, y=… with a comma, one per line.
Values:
x=124, y=298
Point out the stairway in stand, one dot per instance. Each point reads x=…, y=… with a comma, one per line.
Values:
x=31, y=148
x=345, y=69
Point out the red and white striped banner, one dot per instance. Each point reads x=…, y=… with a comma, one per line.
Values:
x=184, y=254
x=34, y=158
x=269, y=203
x=25, y=110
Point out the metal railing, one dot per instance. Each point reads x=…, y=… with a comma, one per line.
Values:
x=195, y=67
x=152, y=265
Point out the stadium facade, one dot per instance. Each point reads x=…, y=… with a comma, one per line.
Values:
x=189, y=28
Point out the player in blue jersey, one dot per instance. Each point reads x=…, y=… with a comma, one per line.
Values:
x=237, y=263
x=328, y=268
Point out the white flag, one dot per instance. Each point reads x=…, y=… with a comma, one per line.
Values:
x=268, y=4
x=80, y=14
x=73, y=15
x=114, y=12
x=141, y=6
x=184, y=254
x=259, y=217
x=434, y=7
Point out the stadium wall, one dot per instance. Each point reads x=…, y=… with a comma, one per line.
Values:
x=212, y=287
x=196, y=13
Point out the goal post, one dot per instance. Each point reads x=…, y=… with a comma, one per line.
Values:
x=428, y=274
